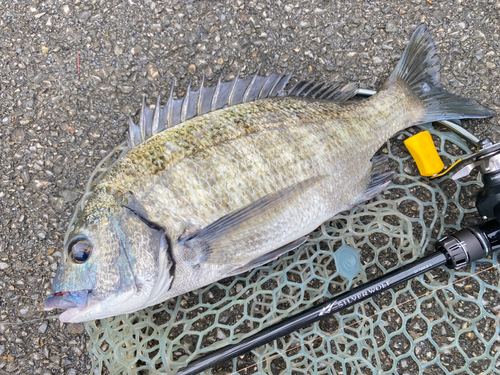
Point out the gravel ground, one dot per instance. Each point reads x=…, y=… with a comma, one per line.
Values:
x=70, y=72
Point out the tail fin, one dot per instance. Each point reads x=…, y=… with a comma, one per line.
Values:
x=419, y=69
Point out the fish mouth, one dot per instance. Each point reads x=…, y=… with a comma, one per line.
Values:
x=76, y=300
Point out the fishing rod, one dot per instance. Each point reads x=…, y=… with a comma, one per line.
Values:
x=454, y=251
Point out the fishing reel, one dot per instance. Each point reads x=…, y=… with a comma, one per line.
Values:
x=476, y=242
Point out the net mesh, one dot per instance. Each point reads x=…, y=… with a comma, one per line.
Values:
x=443, y=322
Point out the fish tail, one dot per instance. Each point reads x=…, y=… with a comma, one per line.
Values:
x=419, y=70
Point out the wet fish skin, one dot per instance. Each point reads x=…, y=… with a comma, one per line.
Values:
x=236, y=166
x=218, y=194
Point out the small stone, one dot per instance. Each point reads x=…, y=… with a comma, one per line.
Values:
x=479, y=34
x=25, y=176
x=126, y=89
x=25, y=121
x=41, y=184
x=85, y=15
x=468, y=287
x=39, y=78
x=192, y=68
x=304, y=24
x=44, y=50
x=390, y=27
x=18, y=135
x=118, y=50
x=69, y=196
x=66, y=9
x=76, y=328
x=135, y=50
x=439, y=15
x=11, y=367
x=3, y=266
x=41, y=235
x=152, y=72
x=143, y=82
x=43, y=326
x=209, y=72
x=377, y=60
x=220, y=334
x=24, y=311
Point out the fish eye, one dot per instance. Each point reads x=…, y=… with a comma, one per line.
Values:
x=79, y=250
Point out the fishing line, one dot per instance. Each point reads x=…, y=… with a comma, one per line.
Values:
x=359, y=322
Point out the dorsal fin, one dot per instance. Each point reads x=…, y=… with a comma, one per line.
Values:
x=207, y=99
x=322, y=89
x=237, y=91
x=204, y=100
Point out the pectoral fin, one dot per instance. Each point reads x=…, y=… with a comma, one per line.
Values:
x=266, y=258
x=257, y=233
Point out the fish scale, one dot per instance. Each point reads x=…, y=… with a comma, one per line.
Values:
x=260, y=154
x=226, y=191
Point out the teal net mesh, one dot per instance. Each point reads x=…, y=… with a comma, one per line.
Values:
x=443, y=322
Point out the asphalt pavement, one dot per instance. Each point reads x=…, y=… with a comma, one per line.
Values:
x=70, y=71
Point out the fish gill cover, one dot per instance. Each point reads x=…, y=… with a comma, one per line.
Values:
x=427, y=325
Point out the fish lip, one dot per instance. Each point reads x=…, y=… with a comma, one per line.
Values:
x=70, y=300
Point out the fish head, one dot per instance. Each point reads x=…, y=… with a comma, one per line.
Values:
x=109, y=266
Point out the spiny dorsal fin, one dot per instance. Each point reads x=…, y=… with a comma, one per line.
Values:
x=207, y=99
x=237, y=91
x=204, y=100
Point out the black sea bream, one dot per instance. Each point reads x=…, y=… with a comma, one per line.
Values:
x=229, y=189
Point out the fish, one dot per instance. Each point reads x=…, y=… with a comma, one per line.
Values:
x=232, y=176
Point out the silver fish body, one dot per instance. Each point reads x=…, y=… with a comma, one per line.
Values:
x=234, y=188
